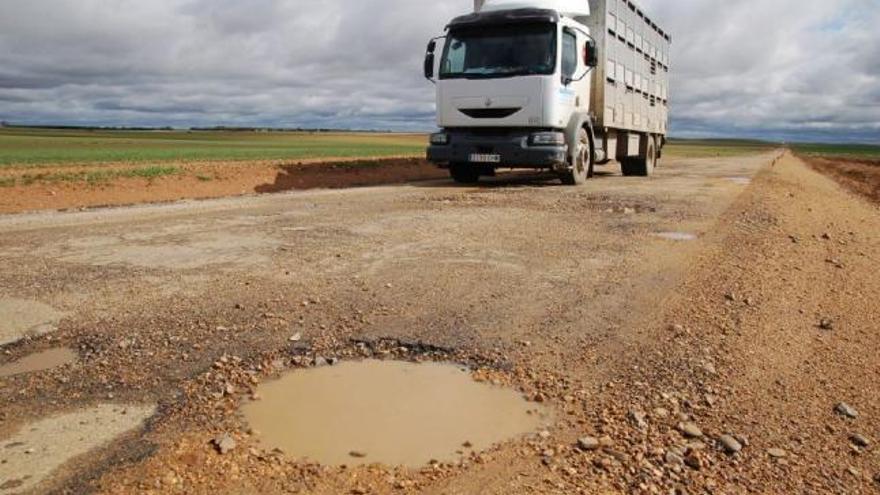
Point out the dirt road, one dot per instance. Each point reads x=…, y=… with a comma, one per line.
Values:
x=696, y=331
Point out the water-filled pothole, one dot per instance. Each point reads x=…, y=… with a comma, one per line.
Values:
x=677, y=236
x=41, y=361
x=387, y=412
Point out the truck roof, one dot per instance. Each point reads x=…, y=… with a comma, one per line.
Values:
x=505, y=17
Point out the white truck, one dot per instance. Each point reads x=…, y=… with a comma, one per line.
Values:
x=559, y=85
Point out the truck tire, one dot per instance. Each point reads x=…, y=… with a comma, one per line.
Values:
x=463, y=173
x=582, y=168
x=641, y=166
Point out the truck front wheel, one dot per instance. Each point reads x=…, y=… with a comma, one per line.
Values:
x=582, y=168
x=463, y=173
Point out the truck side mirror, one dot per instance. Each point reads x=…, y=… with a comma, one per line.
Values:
x=429, y=60
x=591, y=54
x=429, y=66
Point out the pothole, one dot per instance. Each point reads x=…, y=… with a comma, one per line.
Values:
x=37, y=450
x=387, y=412
x=677, y=236
x=20, y=318
x=41, y=361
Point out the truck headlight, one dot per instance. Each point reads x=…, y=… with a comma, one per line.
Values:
x=440, y=138
x=547, y=139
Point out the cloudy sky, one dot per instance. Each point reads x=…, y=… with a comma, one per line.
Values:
x=786, y=69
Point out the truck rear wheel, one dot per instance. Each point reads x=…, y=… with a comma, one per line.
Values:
x=641, y=166
x=463, y=173
x=582, y=168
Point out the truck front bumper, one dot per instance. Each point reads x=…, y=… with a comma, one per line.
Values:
x=510, y=147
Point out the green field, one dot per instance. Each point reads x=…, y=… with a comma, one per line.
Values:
x=39, y=147
x=704, y=148
x=30, y=147
x=838, y=150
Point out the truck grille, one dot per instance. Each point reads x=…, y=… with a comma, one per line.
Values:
x=489, y=113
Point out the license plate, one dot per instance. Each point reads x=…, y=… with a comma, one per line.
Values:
x=484, y=158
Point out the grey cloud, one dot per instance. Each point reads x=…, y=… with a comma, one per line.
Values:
x=777, y=69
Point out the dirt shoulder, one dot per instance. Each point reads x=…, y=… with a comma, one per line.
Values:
x=73, y=187
x=861, y=176
x=763, y=342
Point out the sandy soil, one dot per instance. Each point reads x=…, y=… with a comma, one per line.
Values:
x=649, y=349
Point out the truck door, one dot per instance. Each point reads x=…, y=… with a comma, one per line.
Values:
x=575, y=91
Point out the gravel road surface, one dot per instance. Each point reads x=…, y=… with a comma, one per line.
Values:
x=693, y=331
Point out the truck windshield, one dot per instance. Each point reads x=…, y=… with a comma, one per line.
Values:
x=502, y=51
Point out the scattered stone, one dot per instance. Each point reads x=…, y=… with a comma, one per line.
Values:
x=826, y=236
x=544, y=434
x=320, y=361
x=877, y=479
x=730, y=444
x=846, y=410
x=673, y=459
x=826, y=324
x=777, y=453
x=859, y=440
x=224, y=443
x=834, y=261
x=616, y=454
x=855, y=472
x=639, y=419
x=690, y=429
x=588, y=443
x=357, y=454
x=693, y=461
x=296, y=337
x=661, y=412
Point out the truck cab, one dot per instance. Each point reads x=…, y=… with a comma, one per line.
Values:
x=514, y=84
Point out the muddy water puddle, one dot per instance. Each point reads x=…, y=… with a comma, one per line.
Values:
x=41, y=361
x=677, y=236
x=387, y=412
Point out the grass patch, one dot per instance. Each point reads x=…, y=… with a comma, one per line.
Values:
x=41, y=147
x=708, y=148
x=100, y=176
x=7, y=181
x=838, y=150
x=204, y=178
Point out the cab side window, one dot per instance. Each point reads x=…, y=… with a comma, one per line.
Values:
x=569, y=54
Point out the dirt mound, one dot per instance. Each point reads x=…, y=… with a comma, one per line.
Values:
x=64, y=187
